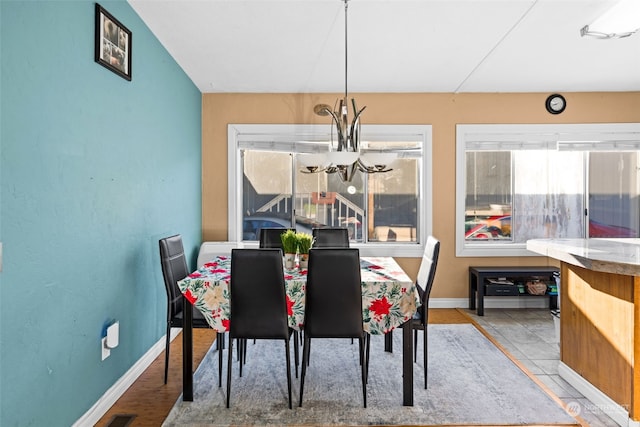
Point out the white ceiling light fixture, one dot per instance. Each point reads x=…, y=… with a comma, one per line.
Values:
x=622, y=20
x=344, y=156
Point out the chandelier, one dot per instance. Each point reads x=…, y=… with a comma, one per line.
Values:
x=344, y=156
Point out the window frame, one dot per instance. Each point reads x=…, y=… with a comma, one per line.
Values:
x=578, y=137
x=263, y=136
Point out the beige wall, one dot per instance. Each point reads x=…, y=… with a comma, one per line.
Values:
x=441, y=110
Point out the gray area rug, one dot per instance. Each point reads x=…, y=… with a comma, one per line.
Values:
x=470, y=382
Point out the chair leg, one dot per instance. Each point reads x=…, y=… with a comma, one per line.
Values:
x=220, y=340
x=241, y=344
x=425, y=355
x=363, y=369
x=244, y=352
x=295, y=350
x=230, y=359
x=305, y=362
x=166, y=353
x=415, y=345
x=288, y=357
x=368, y=338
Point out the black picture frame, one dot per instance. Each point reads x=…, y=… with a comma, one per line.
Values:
x=113, y=44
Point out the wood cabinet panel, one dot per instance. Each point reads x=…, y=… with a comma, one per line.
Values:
x=597, y=330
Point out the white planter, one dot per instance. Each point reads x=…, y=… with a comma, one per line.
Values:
x=303, y=261
x=289, y=261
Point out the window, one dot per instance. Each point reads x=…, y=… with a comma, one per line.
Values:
x=268, y=186
x=521, y=182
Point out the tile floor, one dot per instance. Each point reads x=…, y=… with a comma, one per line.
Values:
x=529, y=335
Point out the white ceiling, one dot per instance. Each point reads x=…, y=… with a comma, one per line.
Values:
x=393, y=45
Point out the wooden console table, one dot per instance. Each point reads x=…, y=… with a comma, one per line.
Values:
x=478, y=275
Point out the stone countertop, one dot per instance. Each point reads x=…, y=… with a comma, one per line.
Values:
x=618, y=256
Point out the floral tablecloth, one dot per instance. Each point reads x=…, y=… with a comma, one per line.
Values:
x=389, y=296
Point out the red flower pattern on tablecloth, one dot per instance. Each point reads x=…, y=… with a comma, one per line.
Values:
x=384, y=306
x=290, y=303
x=190, y=297
x=380, y=307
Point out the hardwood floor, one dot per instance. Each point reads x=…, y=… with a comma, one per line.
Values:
x=150, y=400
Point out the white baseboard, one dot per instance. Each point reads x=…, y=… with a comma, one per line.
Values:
x=491, y=302
x=111, y=396
x=448, y=302
x=600, y=400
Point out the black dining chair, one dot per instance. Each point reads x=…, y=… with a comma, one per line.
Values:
x=270, y=237
x=333, y=307
x=258, y=303
x=331, y=237
x=424, y=283
x=174, y=268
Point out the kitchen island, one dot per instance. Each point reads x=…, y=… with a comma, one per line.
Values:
x=600, y=320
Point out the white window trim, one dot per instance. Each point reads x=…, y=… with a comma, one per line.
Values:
x=565, y=136
x=268, y=134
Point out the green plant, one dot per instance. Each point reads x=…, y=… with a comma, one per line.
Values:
x=289, y=242
x=305, y=241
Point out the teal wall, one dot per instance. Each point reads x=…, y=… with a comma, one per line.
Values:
x=94, y=169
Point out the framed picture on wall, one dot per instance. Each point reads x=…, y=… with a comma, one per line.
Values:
x=113, y=44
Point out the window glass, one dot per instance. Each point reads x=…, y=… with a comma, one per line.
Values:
x=488, y=196
x=613, y=194
x=548, y=195
x=520, y=182
x=326, y=200
x=266, y=191
x=393, y=200
x=389, y=208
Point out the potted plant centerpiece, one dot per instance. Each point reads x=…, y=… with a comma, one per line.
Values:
x=290, y=247
x=305, y=241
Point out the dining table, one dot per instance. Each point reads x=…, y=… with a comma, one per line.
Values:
x=389, y=300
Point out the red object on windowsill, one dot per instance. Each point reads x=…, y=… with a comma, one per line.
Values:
x=323, y=198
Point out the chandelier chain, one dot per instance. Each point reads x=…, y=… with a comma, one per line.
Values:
x=346, y=48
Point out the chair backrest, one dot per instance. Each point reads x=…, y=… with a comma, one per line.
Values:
x=331, y=237
x=174, y=268
x=333, y=305
x=270, y=237
x=258, y=297
x=427, y=271
x=209, y=250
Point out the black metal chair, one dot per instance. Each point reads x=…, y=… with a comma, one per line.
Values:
x=333, y=307
x=424, y=283
x=270, y=237
x=174, y=268
x=331, y=237
x=258, y=303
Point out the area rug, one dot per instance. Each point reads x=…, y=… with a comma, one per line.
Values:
x=471, y=381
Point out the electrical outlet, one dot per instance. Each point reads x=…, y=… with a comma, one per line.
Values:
x=105, y=350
